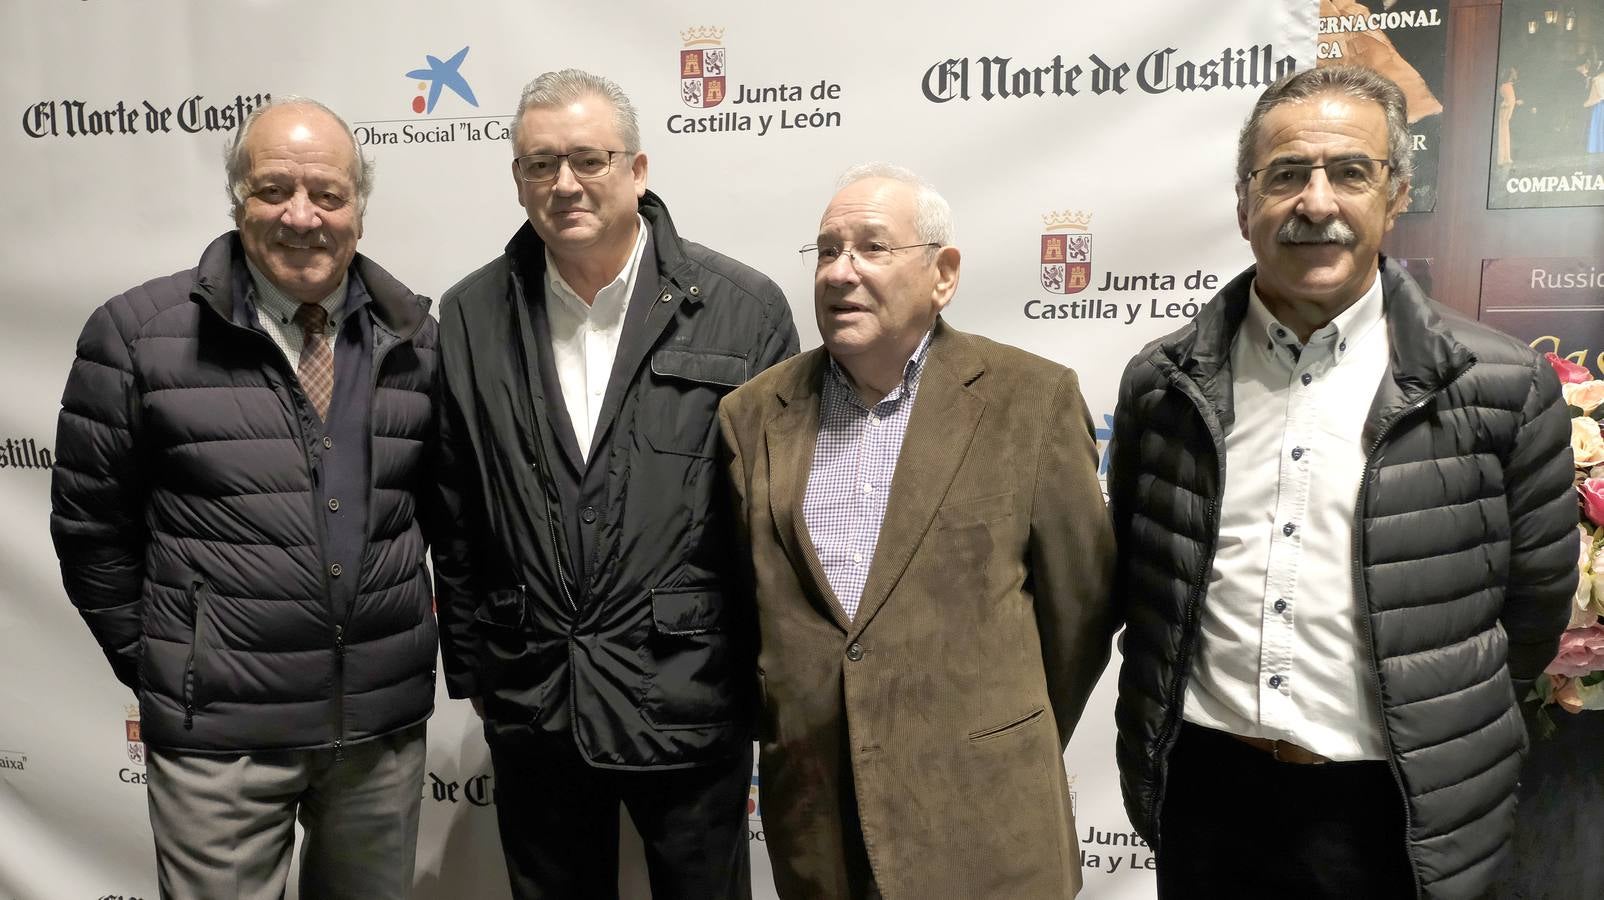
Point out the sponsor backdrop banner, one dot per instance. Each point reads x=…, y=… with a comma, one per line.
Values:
x=1087, y=150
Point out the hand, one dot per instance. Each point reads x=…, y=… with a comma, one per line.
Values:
x=478, y=706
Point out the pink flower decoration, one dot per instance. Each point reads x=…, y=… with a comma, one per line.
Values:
x=1593, y=499
x=1568, y=372
x=1581, y=650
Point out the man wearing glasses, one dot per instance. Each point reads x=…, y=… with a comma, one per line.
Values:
x=1347, y=539
x=585, y=591
x=930, y=562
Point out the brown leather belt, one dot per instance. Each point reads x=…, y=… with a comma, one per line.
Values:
x=1283, y=751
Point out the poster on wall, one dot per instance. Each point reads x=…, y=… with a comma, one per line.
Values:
x=1548, y=120
x=1555, y=304
x=1407, y=41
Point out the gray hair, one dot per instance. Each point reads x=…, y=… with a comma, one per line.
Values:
x=1352, y=81
x=237, y=166
x=557, y=89
x=932, y=214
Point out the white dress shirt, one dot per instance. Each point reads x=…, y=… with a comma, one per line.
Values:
x=1280, y=652
x=585, y=336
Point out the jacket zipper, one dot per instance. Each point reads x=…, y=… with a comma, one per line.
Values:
x=1193, y=601
x=1363, y=596
x=542, y=465
x=197, y=593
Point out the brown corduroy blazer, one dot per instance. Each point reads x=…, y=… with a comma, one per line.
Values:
x=938, y=717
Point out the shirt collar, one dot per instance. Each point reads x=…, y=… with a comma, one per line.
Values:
x=273, y=301
x=1343, y=333
x=558, y=286
x=910, y=374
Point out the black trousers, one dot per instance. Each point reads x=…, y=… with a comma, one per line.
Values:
x=1236, y=823
x=558, y=817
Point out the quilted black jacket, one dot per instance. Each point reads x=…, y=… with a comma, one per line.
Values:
x=1465, y=547
x=184, y=513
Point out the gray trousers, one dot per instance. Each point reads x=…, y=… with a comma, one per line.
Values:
x=225, y=825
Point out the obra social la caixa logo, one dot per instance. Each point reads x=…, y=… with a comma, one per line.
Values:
x=1066, y=252
x=440, y=84
x=701, y=67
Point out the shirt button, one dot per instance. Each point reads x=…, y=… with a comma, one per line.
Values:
x=1288, y=528
x=587, y=515
x=328, y=443
x=1280, y=605
x=1297, y=453
x=336, y=570
x=854, y=651
x=1280, y=332
x=857, y=557
x=868, y=488
x=1275, y=681
x=1306, y=379
x=1342, y=346
x=334, y=504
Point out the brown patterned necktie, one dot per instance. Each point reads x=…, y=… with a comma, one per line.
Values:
x=316, y=368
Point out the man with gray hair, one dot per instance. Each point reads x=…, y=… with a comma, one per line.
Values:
x=585, y=590
x=929, y=558
x=234, y=503
x=1347, y=539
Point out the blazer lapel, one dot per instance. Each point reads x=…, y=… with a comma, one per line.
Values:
x=940, y=429
x=789, y=439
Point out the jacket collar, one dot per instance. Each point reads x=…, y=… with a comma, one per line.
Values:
x=395, y=307
x=1423, y=358
x=665, y=251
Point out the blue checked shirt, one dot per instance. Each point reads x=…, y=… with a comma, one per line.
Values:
x=850, y=479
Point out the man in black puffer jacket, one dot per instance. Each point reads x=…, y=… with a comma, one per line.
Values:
x=240, y=463
x=1347, y=537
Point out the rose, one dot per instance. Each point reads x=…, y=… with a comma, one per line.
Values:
x=1568, y=372
x=1587, y=445
x=1583, y=395
x=1565, y=694
x=1583, y=614
x=1593, y=499
x=1581, y=651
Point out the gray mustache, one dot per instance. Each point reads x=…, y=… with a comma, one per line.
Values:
x=1299, y=230
x=316, y=238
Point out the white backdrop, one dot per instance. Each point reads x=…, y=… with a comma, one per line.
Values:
x=113, y=115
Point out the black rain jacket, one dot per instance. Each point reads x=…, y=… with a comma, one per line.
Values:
x=645, y=651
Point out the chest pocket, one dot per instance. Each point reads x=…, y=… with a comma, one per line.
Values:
x=683, y=405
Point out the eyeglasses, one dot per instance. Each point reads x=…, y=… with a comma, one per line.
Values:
x=537, y=168
x=1346, y=176
x=874, y=253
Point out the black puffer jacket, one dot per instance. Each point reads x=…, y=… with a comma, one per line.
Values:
x=1465, y=545
x=643, y=652
x=185, y=515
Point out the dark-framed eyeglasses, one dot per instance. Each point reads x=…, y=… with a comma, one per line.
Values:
x=1359, y=175
x=538, y=168
x=874, y=253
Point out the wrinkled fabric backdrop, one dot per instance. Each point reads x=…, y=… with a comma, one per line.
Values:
x=1087, y=150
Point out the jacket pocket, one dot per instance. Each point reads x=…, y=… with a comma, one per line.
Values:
x=975, y=511
x=499, y=624
x=681, y=409
x=999, y=731
x=199, y=594
x=686, y=660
